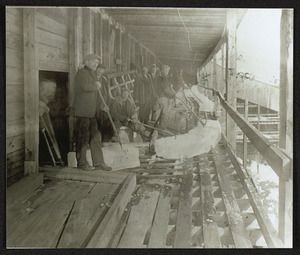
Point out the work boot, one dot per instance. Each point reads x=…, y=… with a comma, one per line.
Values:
x=87, y=168
x=103, y=167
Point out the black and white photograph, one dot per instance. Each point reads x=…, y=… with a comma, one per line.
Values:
x=149, y=127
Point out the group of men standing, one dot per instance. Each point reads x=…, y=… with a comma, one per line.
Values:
x=91, y=101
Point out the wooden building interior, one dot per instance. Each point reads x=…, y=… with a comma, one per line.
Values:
x=209, y=201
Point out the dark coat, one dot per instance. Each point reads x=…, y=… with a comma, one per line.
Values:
x=164, y=87
x=120, y=110
x=86, y=99
x=143, y=90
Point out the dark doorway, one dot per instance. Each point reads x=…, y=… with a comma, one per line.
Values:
x=59, y=107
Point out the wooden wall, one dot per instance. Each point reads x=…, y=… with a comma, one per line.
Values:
x=64, y=36
x=15, y=128
x=52, y=34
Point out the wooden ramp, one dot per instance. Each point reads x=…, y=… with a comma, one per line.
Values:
x=199, y=203
x=66, y=211
x=204, y=202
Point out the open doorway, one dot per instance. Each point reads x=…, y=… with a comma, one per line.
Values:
x=59, y=107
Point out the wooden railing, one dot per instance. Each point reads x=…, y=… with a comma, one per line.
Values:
x=276, y=158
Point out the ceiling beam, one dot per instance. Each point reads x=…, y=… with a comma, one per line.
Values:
x=167, y=11
x=169, y=19
x=180, y=28
x=182, y=59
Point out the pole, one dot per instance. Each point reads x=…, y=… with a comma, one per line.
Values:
x=110, y=119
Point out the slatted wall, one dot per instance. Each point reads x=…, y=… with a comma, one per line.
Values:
x=14, y=95
x=52, y=34
x=57, y=54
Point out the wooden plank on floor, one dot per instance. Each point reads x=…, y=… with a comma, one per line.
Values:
x=115, y=239
x=184, y=217
x=269, y=232
x=210, y=228
x=140, y=218
x=81, y=220
x=23, y=188
x=68, y=173
x=158, y=235
x=108, y=225
x=42, y=226
x=239, y=233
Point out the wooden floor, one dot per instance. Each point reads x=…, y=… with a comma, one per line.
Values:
x=195, y=203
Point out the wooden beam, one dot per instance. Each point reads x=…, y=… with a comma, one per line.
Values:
x=285, y=207
x=172, y=28
x=231, y=131
x=215, y=73
x=269, y=232
x=31, y=92
x=159, y=229
x=286, y=80
x=118, y=48
x=97, y=32
x=245, y=140
x=73, y=66
x=108, y=225
x=210, y=228
x=86, y=31
x=154, y=19
x=274, y=156
x=235, y=220
x=68, y=173
x=105, y=40
x=184, y=217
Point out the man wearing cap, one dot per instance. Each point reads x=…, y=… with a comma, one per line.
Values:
x=143, y=94
x=124, y=113
x=104, y=124
x=86, y=104
x=165, y=92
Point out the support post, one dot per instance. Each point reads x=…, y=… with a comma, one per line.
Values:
x=245, y=139
x=285, y=224
x=98, y=34
x=73, y=60
x=231, y=130
x=86, y=32
x=105, y=41
x=118, y=49
x=258, y=128
x=31, y=92
x=215, y=73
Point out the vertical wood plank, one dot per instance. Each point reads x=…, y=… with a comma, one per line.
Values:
x=286, y=81
x=31, y=92
x=184, y=218
x=123, y=51
x=97, y=33
x=160, y=224
x=128, y=52
x=215, y=73
x=133, y=52
x=118, y=49
x=231, y=130
x=86, y=32
x=285, y=223
x=245, y=139
x=105, y=40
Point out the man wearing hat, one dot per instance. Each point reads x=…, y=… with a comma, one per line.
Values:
x=124, y=113
x=86, y=104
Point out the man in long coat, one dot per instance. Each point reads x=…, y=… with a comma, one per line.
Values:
x=86, y=105
x=144, y=95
